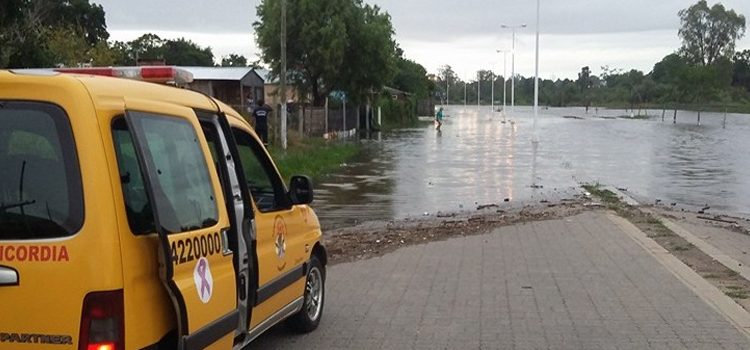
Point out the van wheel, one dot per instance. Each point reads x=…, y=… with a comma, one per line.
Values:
x=307, y=319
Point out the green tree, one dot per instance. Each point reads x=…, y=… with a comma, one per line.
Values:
x=27, y=25
x=332, y=45
x=584, y=83
x=741, y=70
x=234, y=60
x=146, y=46
x=412, y=77
x=455, y=84
x=709, y=33
x=181, y=52
x=319, y=37
x=66, y=47
x=370, y=53
x=184, y=52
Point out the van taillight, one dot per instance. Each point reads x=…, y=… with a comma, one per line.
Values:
x=102, y=322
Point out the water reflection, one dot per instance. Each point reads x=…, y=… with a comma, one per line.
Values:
x=477, y=159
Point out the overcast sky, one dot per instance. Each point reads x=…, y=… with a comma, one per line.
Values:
x=464, y=34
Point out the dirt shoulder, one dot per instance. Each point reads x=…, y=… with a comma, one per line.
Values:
x=377, y=238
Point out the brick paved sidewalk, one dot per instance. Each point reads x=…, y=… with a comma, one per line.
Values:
x=576, y=283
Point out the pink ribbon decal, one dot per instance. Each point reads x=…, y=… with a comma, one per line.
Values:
x=205, y=287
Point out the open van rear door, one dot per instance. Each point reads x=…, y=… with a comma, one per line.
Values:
x=196, y=263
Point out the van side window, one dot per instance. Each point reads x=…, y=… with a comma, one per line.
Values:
x=40, y=182
x=183, y=192
x=137, y=206
x=264, y=183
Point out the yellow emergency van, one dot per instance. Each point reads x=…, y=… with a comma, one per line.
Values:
x=135, y=215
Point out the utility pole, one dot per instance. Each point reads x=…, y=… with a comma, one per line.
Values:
x=282, y=84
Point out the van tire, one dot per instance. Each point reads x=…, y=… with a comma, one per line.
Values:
x=307, y=319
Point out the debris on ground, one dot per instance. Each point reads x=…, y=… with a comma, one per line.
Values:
x=375, y=239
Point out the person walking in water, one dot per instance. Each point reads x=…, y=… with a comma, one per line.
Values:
x=260, y=114
x=439, y=119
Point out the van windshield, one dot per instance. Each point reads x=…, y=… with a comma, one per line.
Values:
x=40, y=182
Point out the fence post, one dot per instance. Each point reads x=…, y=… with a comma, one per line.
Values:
x=301, y=118
x=326, y=115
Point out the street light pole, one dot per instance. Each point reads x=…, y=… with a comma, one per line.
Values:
x=447, y=89
x=479, y=84
x=465, y=86
x=505, y=78
x=535, y=138
x=513, y=65
x=492, y=98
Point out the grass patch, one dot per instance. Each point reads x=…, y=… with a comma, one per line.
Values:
x=737, y=294
x=313, y=157
x=606, y=196
x=682, y=248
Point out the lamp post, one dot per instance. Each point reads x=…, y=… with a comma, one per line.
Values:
x=513, y=65
x=505, y=77
x=447, y=89
x=535, y=137
x=492, y=94
x=465, y=86
x=479, y=84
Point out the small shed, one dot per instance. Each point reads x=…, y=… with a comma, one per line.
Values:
x=232, y=85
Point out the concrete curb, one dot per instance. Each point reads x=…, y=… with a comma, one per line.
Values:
x=723, y=304
x=623, y=196
x=707, y=248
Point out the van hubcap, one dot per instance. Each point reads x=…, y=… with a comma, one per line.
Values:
x=314, y=294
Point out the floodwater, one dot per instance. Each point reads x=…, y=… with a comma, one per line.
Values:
x=477, y=159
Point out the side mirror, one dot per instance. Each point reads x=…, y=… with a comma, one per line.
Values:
x=300, y=190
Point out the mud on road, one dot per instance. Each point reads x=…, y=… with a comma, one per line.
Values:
x=377, y=238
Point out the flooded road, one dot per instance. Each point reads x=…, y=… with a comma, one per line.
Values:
x=478, y=160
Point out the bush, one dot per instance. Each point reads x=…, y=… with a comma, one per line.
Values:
x=398, y=113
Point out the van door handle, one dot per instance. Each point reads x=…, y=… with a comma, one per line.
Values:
x=226, y=250
x=8, y=276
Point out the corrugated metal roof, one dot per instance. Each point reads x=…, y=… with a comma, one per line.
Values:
x=219, y=73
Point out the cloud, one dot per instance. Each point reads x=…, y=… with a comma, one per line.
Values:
x=465, y=34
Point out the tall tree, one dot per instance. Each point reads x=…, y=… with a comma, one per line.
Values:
x=741, y=69
x=337, y=45
x=412, y=77
x=27, y=25
x=234, y=60
x=181, y=51
x=184, y=52
x=709, y=33
x=584, y=83
x=316, y=55
x=370, y=53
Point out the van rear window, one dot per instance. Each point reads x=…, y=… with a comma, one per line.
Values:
x=40, y=181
